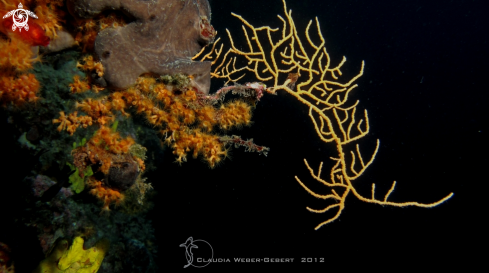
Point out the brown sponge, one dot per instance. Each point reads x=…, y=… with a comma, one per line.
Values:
x=164, y=37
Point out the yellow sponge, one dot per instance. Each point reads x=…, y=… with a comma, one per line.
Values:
x=84, y=261
x=75, y=259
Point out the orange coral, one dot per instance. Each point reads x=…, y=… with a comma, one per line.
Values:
x=112, y=140
x=97, y=89
x=111, y=21
x=18, y=91
x=185, y=120
x=72, y=122
x=99, y=110
x=105, y=145
x=118, y=103
x=47, y=17
x=90, y=65
x=141, y=102
x=163, y=95
x=207, y=145
x=79, y=86
x=8, y=5
x=141, y=164
x=98, y=155
x=89, y=28
x=145, y=84
x=107, y=195
x=236, y=113
x=87, y=34
x=16, y=54
x=95, y=108
x=63, y=120
x=207, y=117
x=175, y=113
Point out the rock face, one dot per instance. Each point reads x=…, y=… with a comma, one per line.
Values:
x=122, y=173
x=164, y=37
x=63, y=41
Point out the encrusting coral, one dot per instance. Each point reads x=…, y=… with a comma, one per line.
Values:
x=168, y=37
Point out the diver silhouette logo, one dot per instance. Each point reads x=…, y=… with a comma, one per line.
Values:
x=203, y=256
x=20, y=17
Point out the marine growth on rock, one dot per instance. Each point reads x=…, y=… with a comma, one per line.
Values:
x=162, y=39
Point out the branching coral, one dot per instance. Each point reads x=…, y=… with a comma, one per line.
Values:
x=314, y=81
